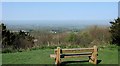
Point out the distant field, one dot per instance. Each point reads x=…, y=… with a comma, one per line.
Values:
x=41, y=56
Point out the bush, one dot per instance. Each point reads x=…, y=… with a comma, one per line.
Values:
x=72, y=37
x=7, y=50
x=115, y=31
x=96, y=35
x=15, y=40
x=85, y=38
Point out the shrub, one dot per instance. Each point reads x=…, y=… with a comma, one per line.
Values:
x=8, y=50
x=15, y=40
x=115, y=31
x=71, y=37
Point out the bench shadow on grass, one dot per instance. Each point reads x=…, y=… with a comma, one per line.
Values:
x=77, y=62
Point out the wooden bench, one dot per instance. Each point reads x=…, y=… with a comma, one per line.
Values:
x=76, y=52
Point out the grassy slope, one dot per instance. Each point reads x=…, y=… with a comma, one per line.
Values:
x=108, y=56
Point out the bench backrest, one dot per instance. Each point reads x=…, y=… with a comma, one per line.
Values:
x=73, y=51
x=76, y=50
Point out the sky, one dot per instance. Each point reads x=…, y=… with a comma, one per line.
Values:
x=119, y=8
x=59, y=0
x=59, y=11
x=0, y=11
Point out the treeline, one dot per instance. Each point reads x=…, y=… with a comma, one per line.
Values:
x=15, y=41
x=89, y=36
x=93, y=35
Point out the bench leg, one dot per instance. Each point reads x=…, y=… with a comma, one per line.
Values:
x=57, y=61
x=93, y=58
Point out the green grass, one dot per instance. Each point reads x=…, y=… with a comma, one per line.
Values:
x=41, y=56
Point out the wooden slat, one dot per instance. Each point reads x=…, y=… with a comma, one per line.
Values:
x=85, y=53
x=72, y=55
x=75, y=56
x=79, y=50
x=53, y=55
